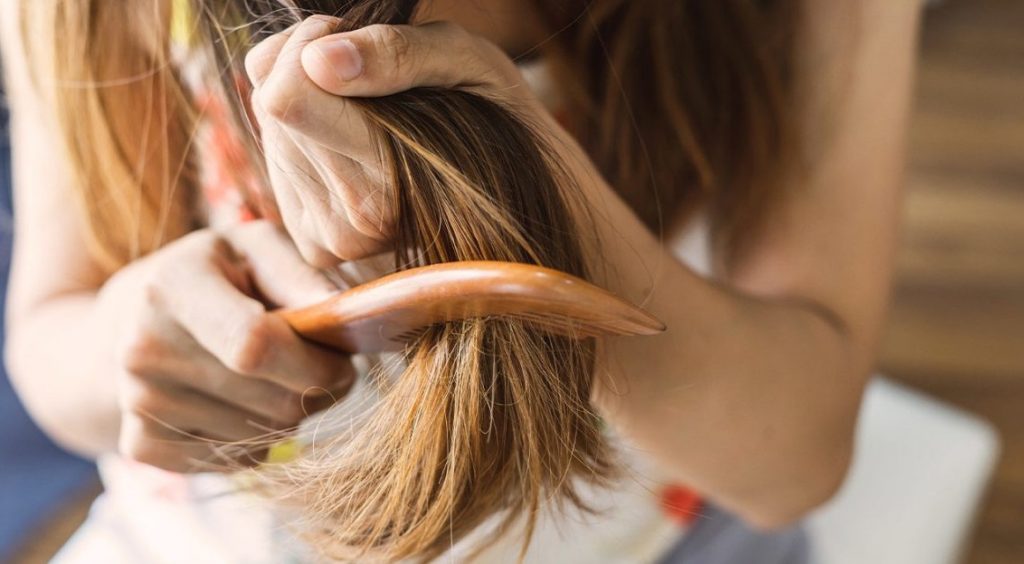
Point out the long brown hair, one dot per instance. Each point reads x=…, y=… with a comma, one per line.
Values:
x=684, y=104
x=488, y=416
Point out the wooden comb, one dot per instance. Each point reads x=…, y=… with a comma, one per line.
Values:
x=390, y=311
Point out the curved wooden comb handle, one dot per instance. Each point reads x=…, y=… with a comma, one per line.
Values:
x=385, y=313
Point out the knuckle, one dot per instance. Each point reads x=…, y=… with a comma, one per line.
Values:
x=316, y=257
x=139, y=441
x=153, y=290
x=490, y=56
x=371, y=215
x=343, y=247
x=253, y=345
x=146, y=402
x=133, y=442
x=136, y=448
x=394, y=43
x=280, y=99
x=139, y=353
x=367, y=231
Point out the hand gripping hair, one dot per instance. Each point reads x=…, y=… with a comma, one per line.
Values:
x=487, y=416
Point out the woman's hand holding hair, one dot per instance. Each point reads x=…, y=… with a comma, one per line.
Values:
x=451, y=167
x=325, y=170
x=202, y=362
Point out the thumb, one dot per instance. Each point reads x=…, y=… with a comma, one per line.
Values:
x=379, y=60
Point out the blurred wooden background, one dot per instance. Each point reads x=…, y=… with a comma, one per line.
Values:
x=957, y=325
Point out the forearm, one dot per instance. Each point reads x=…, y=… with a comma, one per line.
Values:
x=747, y=399
x=58, y=355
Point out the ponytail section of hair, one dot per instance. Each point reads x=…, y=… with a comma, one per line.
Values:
x=487, y=418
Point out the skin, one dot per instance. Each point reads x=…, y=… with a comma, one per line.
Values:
x=751, y=395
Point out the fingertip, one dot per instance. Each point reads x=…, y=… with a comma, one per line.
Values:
x=332, y=63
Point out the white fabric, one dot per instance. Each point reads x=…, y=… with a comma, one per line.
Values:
x=917, y=477
x=629, y=526
x=146, y=515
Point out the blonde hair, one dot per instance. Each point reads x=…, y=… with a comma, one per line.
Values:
x=489, y=417
x=125, y=119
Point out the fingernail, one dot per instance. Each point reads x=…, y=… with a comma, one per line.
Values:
x=342, y=56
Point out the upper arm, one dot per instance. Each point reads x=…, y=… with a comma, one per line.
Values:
x=832, y=241
x=50, y=254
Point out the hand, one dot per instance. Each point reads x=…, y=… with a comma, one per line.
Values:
x=201, y=361
x=324, y=169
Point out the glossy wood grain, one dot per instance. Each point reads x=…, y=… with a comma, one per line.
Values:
x=385, y=313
